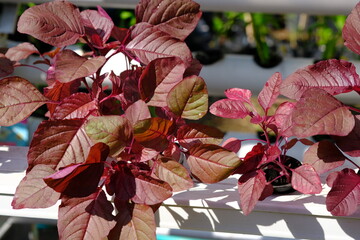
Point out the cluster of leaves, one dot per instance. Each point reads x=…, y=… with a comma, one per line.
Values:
x=313, y=111
x=112, y=156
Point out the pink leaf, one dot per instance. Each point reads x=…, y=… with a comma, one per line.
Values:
x=243, y=95
x=283, y=117
x=174, y=174
x=317, y=112
x=149, y=190
x=137, y=111
x=270, y=92
x=194, y=133
x=333, y=76
x=70, y=66
x=21, y=51
x=350, y=32
x=350, y=143
x=324, y=156
x=306, y=180
x=211, y=163
x=232, y=144
x=78, y=105
x=18, y=99
x=343, y=198
x=251, y=186
x=32, y=192
x=177, y=18
x=228, y=108
x=113, y=130
x=330, y=179
x=59, y=143
x=57, y=23
x=151, y=43
x=85, y=218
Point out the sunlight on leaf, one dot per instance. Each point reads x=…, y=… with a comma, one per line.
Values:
x=306, y=180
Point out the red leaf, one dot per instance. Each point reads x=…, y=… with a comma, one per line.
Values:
x=85, y=218
x=324, y=156
x=252, y=159
x=306, y=180
x=153, y=132
x=71, y=180
x=350, y=32
x=173, y=173
x=149, y=190
x=189, y=98
x=137, y=111
x=270, y=92
x=6, y=66
x=54, y=143
x=350, y=143
x=343, y=198
x=70, y=66
x=232, y=144
x=333, y=76
x=242, y=95
x=18, y=99
x=57, y=23
x=21, y=51
x=97, y=24
x=194, y=133
x=78, y=105
x=283, y=117
x=168, y=72
x=122, y=183
x=32, y=192
x=211, y=163
x=228, y=108
x=177, y=18
x=113, y=130
x=149, y=43
x=317, y=112
x=251, y=185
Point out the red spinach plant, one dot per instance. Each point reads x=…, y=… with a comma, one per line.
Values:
x=313, y=111
x=112, y=156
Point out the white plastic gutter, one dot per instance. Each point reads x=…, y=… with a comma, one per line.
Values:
x=318, y=7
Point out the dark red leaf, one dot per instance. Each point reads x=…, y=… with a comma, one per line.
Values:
x=85, y=218
x=350, y=143
x=251, y=185
x=306, y=180
x=252, y=159
x=21, y=51
x=232, y=144
x=6, y=66
x=122, y=183
x=324, y=156
x=57, y=23
x=343, y=198
x=177, y=18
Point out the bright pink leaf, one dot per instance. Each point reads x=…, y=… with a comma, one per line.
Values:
x=232, y=144
x=306, y=180
x=324, y=156
x=70, y=66
x=317, y=112
x=59, y=143
x=351, y=31
x=270, y=92
x=194, y=133
x=177, y=18
x=21, y=51
x=151, y=43
x=173, y=173
x=251, y=186
x=333, y=76
x=212, y=163
x=57, y=23
x=189, y=98
x=78, y=105
x=113, y=130
x=32, y=192
x=242, y=95
x=149, y=190
x=228, y=108
x=85, y=218
x=18, y=99
x=350, y=144
x=137, y=111
x=343, y=198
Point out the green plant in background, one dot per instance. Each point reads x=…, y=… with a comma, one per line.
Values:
x=127, y=18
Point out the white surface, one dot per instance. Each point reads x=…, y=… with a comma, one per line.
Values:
x=324, y=7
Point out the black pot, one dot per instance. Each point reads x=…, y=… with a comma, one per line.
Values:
x=282, y=184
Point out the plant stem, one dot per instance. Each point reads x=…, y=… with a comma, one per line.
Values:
x=30, y=66
x=353, y=109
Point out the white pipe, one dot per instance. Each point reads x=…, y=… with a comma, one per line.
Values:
x=318, y=7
